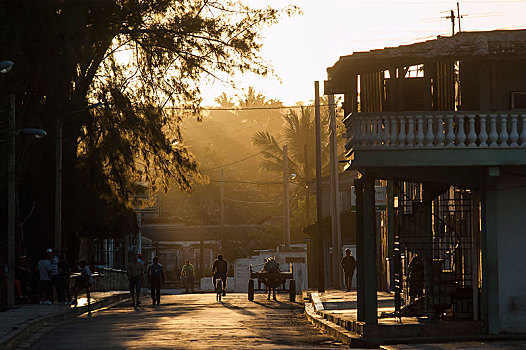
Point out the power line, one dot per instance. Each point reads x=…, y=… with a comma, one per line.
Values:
x=241, y=160
x=249, y=182
x=240, y=109
x=259, y=202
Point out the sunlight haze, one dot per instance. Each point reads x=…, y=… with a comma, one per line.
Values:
x=300, y=48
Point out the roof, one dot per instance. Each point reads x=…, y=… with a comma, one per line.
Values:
x=463, y=45
x=178, y=232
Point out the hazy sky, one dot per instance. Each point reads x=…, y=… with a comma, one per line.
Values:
x=301, y=48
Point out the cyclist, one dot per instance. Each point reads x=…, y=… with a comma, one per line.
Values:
x=219, y=271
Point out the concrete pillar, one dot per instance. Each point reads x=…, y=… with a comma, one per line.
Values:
x=358, y=190
x=369, y=251
x=490, y=272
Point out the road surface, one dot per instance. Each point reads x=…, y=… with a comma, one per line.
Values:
x=190, y=321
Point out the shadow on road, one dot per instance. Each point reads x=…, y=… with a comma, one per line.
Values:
x=235, y=308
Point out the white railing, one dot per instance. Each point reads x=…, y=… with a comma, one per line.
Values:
x=436, y=129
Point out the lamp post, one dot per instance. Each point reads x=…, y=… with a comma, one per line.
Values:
x=11, y=197
x=58, y=175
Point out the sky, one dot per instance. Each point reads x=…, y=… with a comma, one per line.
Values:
x=302, y=47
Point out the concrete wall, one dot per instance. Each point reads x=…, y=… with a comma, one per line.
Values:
x=511, y=223
x=241, y=271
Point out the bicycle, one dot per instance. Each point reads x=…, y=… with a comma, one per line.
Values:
x=219, y=289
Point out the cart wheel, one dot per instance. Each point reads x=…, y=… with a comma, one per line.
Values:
x=251, y=290
x=292, y=290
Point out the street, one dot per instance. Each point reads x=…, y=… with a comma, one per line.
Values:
x=191, y=321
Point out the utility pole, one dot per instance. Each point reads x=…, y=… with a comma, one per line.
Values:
x=335, y=196
x=319, y=214
x=458, y=17
x=222, y=208
x=11, y=208
x=286, y=216
x=307, y=191
x=58, y=186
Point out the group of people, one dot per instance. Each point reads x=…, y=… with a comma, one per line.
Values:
x=55, y=273
x=136, y=272
x=48, y=278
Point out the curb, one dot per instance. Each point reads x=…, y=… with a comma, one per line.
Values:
x=11, y=340
x=337, y=332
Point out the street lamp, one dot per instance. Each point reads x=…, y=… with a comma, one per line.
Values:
x=5, y=66
x=58, y=174
x=11, y=194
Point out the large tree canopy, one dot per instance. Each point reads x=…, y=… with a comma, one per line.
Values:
x=144, y=59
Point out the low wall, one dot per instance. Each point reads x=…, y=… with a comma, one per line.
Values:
x=110, y=279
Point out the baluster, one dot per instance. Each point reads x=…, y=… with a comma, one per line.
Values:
x=461, y=134
x=504, y=136
x=493, y=136
x=394, y=131
x=523, y=130
x=387, y=137
x=363, y=132
x=401, y=135
x=472, y=135
x=372, y=126
x=514, y=135
x=430, y=135
x=379, y=128
x=439, y=137
x=419, y=131
x=483, y=135
x=450, y=135
x=410, y=131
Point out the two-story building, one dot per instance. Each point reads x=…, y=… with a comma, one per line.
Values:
x=444, y=121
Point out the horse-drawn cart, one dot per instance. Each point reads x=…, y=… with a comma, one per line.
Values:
x=272, y=277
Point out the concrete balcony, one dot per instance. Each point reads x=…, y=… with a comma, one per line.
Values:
x=447, y=138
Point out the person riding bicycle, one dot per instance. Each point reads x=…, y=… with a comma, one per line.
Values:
x=187, y=276
x=219, y=271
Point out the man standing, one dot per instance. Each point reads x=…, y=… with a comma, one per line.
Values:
x=135, y=274
x=188, y=275
x=64, y=269
x=156, y=277
x=348, y=264
x=219, y=271
x=44, y=271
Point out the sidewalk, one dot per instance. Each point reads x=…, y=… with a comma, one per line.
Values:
x=334, y=312
x=22, y=321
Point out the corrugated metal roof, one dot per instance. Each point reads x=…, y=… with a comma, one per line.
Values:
x=498, y=43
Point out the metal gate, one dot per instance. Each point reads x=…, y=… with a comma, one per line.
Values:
x=433, y=251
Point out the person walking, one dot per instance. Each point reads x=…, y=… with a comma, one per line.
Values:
x=84, y=281
x=349, y=264
x=219, y=270
x=45, y=286
x=156, y=277
x=135, y=273
x=188, y=276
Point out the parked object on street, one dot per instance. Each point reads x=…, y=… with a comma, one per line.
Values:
x=272, y=277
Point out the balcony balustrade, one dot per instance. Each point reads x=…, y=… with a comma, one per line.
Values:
x=421, y=130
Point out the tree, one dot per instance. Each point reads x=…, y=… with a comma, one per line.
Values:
x=299, y=130
x=140, y=58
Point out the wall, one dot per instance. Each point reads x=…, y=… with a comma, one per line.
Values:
x=511, y=223
x=297, y=256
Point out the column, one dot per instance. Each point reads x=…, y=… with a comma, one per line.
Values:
x=369, y=252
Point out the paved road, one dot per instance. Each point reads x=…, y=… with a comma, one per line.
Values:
x=193, y=321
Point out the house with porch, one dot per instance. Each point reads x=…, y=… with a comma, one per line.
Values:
x=444, y=122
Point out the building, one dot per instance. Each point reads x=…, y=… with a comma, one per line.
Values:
x=444, y=122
